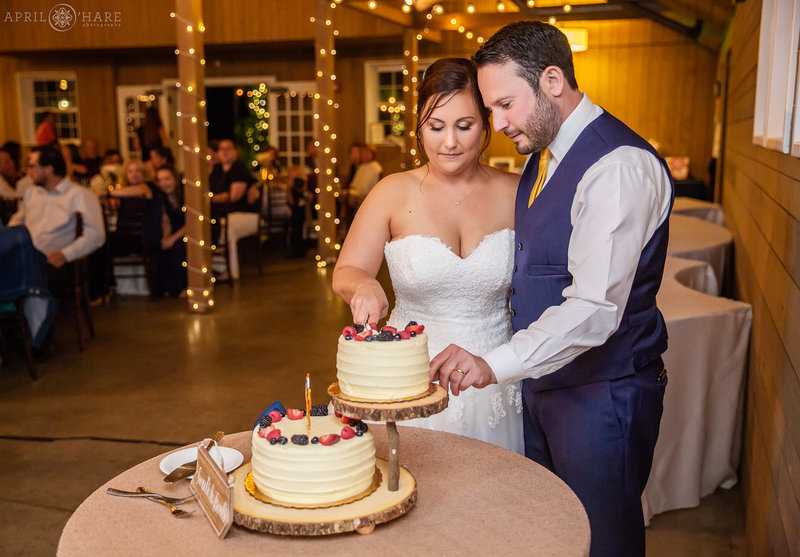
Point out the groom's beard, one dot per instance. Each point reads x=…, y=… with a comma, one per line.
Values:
x=541, y=127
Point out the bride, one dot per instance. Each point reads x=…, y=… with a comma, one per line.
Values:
x=446, y=231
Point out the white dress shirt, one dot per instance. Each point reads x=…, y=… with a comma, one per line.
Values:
x=367, y=175
x=51, y=218
x=620, y=201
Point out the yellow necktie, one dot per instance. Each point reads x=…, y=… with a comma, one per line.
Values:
x=544, y=158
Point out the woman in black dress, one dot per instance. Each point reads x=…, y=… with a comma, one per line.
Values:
x=171, y=273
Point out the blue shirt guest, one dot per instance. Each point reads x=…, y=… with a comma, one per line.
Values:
x=591, y=224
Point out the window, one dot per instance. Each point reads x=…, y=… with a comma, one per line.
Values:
x=294, y=128
x=384, y=100
x=49, y=92
x=776, y=125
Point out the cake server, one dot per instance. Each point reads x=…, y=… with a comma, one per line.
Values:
x=188, y=469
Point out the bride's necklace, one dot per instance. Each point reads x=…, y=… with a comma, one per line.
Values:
x=457, y=201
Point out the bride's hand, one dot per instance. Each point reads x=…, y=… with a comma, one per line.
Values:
x=369, y=303
x=456, y=368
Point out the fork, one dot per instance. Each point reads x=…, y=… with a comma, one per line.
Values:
x=142, y=492
x=176, y=511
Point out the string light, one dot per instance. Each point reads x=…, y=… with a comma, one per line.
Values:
x=191, y=114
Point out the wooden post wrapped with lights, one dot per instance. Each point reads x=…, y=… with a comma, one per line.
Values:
x=193, y=140
x=411, y=38
x=324, y=134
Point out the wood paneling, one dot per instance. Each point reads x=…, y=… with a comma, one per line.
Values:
x=147, y=23
x=761, y=197
x=96, y=96
x=655, y=80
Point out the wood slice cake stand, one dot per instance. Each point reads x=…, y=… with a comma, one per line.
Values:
x=428, y=404
x=361, y=515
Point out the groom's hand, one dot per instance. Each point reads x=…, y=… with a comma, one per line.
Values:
x=456, y=368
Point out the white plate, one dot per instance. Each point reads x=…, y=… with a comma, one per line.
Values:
x=231, y=457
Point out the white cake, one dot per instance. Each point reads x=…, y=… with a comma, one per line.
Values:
x=383, y=370
x=313, y=473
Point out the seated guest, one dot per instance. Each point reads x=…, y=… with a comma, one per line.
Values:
x=91, y=157
x=50, y=214
x=76, y=170
x=367, y=174
x=159, y=156
x=109, y=173
x=132, y=182
x=8, y=176
x=229, y=182
x=171, y=273
x=135, y=212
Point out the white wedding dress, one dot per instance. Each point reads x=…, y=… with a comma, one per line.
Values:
x=462, y=301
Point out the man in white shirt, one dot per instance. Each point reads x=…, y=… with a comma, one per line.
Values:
x=50, y=212
x=368, y=173
x=591, y=235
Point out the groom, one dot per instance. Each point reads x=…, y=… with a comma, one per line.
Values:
x=591, y=237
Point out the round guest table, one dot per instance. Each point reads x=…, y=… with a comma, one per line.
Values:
x=473, y=498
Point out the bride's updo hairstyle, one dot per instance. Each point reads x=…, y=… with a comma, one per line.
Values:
x=443, y=78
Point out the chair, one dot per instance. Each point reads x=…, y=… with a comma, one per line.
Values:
x=80, y=291
x=14, y=319
x=72, y=285
x=7, y=208
x=130, y=243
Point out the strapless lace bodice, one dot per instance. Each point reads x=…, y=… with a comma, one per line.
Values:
x=459, y=300
x=462, y=301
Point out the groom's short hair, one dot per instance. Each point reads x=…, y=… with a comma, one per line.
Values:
x=534, y=46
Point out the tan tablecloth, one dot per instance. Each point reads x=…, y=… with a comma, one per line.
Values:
x=699, y=444
x=473, y=498
x=690, y=207
x=693, y=238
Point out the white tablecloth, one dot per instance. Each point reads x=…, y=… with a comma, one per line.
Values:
x=691, y=207
x=693, y=238
x=699, y=444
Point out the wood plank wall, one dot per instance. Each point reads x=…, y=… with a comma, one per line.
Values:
x=761, y=198
x=657, y=81
x=146, y=23
x=669, y=100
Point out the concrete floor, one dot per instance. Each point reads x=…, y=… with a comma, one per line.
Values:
x=156, y=377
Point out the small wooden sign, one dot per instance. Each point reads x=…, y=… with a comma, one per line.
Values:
x=213, y=491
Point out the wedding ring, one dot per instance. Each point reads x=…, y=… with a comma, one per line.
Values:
x=461, y=371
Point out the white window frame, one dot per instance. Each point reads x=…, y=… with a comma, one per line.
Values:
x=776, y=123
x=301, y=88
x=371, y=87
x=126, y=91
x=27, y=104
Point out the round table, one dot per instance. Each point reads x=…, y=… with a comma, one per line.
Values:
x=693, y=238
x=473, y=497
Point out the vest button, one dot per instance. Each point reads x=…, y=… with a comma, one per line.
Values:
x=512, y=291
x=512, y=312
x=515, y=268
x=519, y=246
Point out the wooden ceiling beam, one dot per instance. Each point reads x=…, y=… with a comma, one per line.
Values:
x=383, y=11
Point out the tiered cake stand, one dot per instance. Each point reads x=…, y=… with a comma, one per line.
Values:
x=433, y=402
x=392, y=498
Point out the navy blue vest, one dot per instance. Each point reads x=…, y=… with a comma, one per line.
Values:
x=540, y=264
